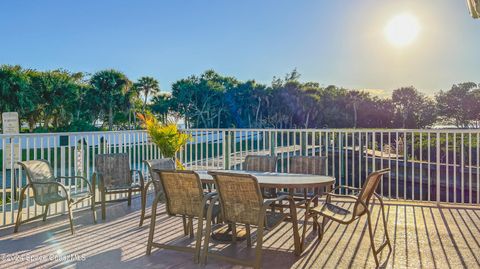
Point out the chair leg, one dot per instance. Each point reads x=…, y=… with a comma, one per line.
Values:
x=185, y=227
x=372, y=239
x=45, y=213
x=198, y=244
x=144, y=202
x=304, y=231
x=387, y=238
x=94, y=212
x=258, y=248
x=249, y=239
x=208, y=231
x=19, y=213
x=293, y=216
x=103, y=197
x=70, y=217
x=321, y=230
x=234, y=232
x=190, y=226
x=152, y=225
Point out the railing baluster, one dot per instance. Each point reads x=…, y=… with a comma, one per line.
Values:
x=462, y=167
x=470, y=168
x=412, y=167
x=352, y=155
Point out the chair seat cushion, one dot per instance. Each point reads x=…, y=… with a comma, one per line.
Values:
x=334, y=212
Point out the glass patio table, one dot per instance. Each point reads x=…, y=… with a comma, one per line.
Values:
x=284, y=181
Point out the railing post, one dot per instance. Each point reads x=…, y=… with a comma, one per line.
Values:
x=226, y=149
x=438, y=167
x=303, y=143
x=272, y=138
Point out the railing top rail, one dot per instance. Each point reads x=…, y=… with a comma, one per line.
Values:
x=340, y=130
x=336, y=130
x=70, y=133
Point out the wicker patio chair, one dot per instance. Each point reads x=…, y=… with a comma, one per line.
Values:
x=262, y=163
x=161, y=164
x=361, y=199
x=184, y=197
x=310, y=165
x=113, y=175
x=241, y=202
x=47, y=190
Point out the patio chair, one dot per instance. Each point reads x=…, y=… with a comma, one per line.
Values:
x=161, y=164
x=113, y=175
x=47, y=190
x=241, y=202
x=310, y=165
x=262, y=163
x=361, y=199
x=184, y=197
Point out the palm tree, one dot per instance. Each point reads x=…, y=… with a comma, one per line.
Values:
x=112, y=87
x=147, y=86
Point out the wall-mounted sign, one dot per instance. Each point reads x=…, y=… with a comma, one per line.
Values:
x=10, y=123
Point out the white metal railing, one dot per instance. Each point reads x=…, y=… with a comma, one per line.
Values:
x=426, y=165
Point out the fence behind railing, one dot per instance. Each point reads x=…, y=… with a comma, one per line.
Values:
x=426, y=165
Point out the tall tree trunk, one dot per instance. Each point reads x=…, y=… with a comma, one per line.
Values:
x=31, y=124
x=110, y=118
x=354, y=115
x=145, y=102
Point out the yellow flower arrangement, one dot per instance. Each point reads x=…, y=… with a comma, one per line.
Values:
x=168, y=138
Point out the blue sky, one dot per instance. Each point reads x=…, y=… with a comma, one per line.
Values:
x=331, y=42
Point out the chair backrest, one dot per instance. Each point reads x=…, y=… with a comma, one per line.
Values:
x=160, y=164
x=312, y=165
x=183, y=192
x=40, y=171
x=368, y=190
x=260, y=163
x=240, y=197
x=114, y=168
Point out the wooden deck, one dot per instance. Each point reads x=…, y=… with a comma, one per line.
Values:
x=423, y=236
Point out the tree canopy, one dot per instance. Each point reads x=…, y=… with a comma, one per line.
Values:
x=59, y=100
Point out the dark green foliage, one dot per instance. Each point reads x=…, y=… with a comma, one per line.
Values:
x=460, y=103
x=59, y=100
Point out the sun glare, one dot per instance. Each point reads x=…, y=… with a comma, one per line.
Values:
x=402, y=30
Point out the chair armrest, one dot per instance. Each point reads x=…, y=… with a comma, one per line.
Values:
x=140, y=174
x=268, y=202
x=80, y=177
x=342, y=196
x=328, y=199
x=208, y=197
x=309, y=201
x=346, y=187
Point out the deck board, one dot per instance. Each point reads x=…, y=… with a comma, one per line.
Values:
x=423, y=236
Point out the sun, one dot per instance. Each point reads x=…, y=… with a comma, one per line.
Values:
x=402, y=30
